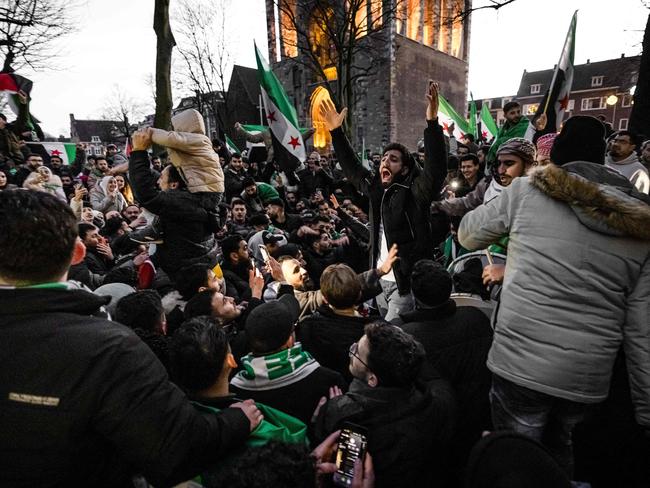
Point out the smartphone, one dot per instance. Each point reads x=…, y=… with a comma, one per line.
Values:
x=352, y=446
x=265, y=253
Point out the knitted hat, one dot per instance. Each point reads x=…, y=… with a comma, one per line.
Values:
x=520, y=147
x=544, y=145
x=430, y=283
x=509, y=459
x=269, y=325
x=582, y=139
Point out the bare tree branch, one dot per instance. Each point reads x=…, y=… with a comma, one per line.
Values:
x=29, y=29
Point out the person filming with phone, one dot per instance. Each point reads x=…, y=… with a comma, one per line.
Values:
x=406, y=422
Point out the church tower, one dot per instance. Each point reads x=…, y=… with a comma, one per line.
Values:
x=399, y=45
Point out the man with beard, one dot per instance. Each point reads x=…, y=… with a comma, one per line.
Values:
x=516, y=125
x=623, y=158
x=400, y=196
x=32, y=163
x=238, y=224
x=234, y=175
x=289, y=270
x=281, y=220
x=236, y=265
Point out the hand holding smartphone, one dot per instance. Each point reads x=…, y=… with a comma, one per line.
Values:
x=351, y=448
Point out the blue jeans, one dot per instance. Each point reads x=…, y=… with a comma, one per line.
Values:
x=391, y=303
x=545, y=418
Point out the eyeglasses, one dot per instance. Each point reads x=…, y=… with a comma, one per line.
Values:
x=354, y=349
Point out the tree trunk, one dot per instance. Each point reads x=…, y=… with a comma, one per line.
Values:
x=164, y=48
x=640, y=117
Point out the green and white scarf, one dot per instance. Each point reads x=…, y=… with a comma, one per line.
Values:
x=275, y=370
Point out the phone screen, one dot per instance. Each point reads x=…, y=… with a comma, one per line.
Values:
x=264, y=252
x=352, y=446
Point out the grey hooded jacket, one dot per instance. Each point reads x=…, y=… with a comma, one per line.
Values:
x=577, y=282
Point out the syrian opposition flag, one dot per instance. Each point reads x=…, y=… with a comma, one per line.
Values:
x=232, y=148
x=556, y=99
x=489, y=128
x=448, y=116
x=472, y=118
x=288, y=145
x=65, y=150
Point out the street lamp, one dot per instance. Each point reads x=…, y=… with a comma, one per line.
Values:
x=612, y=100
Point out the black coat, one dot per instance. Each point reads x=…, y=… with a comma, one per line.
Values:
x=457, y=342
x=407, y=429
x=328, y=337
x=233, y=183
x=309, y=181
x=83, y=401
x=300, y=398
x=187, y=220
x=404, y=207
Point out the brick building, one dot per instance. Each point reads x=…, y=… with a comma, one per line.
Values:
x=97, y=134
x=419, y=44
x=600, y=88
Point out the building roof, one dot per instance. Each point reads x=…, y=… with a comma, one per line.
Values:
x=619, y=72
x=249, y=80
x=190, y=102
x=106, y=130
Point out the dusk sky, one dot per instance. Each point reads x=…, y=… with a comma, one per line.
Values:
x=115, y=45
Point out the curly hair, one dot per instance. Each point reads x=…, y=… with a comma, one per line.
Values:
x=394, y=356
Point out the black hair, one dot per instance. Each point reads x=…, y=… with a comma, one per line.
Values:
x=407, y=160
x=140, y=310
x=248, y=181
x=258, y=219
x=37, y=236
x=196, y=353
x=200, y=304
x=230, y=244
x=237, y=201
x=175, y=177
x=634, y=138
x=469, y=137
x=112, y=226
x=191, y=278
x=431, y=283
x=99, y=157
x=235, y=155
x=84, y=228
x=277, y=464
x=510, y=105
x=393, y=355
x=470, y=157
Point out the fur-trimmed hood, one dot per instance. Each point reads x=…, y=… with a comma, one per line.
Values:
x=603, y=200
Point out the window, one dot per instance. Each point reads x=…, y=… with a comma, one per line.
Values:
x=95, y=139
x=595, y=103
x=488, y=103
x=571, y=106
x=506, y=100
x=530, y=108
x=534, y=89
x=627, y=101
x=622, y=124
x=288, y=34
x=596, y=81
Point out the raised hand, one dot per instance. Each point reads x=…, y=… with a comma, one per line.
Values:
x=334, y=200
x=141, y=140
x=432, y=96
x=390, y=260
x=332, y=118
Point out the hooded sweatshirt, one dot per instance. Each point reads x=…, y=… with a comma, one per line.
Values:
x=190, y=151
x=633, y=170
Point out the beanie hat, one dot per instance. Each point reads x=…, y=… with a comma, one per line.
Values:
x=431, y=283
x=520, y=147
x=544, y=145
x=511, y=460
x=582, y=138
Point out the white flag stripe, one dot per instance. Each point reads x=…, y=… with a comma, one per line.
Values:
x=282, y=128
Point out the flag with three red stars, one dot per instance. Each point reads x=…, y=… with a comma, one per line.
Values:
x=556, y=99
x=288, y=145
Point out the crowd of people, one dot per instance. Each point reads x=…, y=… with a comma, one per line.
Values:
x=481, y=313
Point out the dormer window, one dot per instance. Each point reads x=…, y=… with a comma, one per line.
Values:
x=95, y=139
x=534, y=89
x=596, y=81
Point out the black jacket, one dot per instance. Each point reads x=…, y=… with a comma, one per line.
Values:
x=328, y=337
x=310, y=181
x=407, y=429
x=233, y=183
x=457, y=342
x=187, y=220
x=83, y=401
x=298, y=399
x=404, y=207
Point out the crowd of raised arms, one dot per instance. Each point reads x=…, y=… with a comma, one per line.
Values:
x=457, y=314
